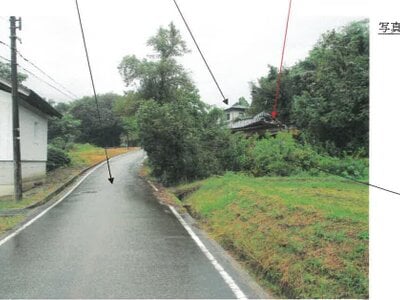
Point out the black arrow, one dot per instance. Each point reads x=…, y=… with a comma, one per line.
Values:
x=110, y=178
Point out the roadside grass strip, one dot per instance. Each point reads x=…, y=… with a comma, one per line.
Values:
x=302, y=237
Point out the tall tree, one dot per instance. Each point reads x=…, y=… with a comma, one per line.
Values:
x=263, y=94
x=333, y=106
x=326, y=94
x=182, y=136
x=161, y=79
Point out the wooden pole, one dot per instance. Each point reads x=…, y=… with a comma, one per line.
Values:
x=15, y=111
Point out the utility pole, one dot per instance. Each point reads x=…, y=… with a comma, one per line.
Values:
x=15, y=111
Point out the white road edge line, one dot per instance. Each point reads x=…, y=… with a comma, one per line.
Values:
x=227, y=278
x=10, y=236
x=152, y=185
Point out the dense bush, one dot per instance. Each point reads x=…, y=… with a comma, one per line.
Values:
x=326, y=94
x=347, y=166
x=56, y=158
x=282, y=155
x=183, y=140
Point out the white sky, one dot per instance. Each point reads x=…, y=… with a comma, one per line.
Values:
x=239, y=38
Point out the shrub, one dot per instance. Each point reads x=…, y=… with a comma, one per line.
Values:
x=56, y=158
x=346, y=166
x=281, y=156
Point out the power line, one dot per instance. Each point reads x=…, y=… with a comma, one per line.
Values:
x=41, y=71
x=225, y=100
x=111, y=179
x=350, y=179
x=274, y=112
x=39, y=78
x=359, y=181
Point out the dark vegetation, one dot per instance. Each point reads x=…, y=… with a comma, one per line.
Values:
x=325, y=95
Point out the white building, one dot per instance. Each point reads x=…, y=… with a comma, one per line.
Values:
x=33, y=115
x=235, y=112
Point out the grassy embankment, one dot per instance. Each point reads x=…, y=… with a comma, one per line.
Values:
x=302, y=237
x=82, y=156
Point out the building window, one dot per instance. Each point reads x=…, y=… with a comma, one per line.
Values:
x=36, y=133
x=228, y=116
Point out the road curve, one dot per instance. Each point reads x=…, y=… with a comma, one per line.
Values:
x=110, y=241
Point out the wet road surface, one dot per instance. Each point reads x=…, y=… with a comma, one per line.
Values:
x=108, y=241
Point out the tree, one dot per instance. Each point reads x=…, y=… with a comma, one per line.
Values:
x=126, y=107
x=5, y=73
x=183, y=137
x=161, y=79
x=333, y=106
x=62, y=132
x=326, y=94
x=105, y=133
x=242, y=101
x=263, y=94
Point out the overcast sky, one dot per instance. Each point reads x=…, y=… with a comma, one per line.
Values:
x=239, y=38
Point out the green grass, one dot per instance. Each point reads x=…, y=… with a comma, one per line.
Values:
x=303, y=237
x=87, y=154
x=9, y=222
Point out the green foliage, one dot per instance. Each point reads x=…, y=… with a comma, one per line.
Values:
x=108, y=132
x=56, y=158
x=162, y=79
x=345, y=166
x=126, y=107
x=182, y=136
x=5, y=73
x=62, y=132
x=263, y=94
x=242, y=101
x=334, y=103
x=326, y=95
x=282, y=155
x=168, y=43
x=182, y=140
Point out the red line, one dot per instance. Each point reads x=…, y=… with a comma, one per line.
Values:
x=278, y=82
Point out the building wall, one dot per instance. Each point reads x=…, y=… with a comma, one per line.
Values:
x=33, y=132
x=5, y=127
x=234, y=114
x=32, y=172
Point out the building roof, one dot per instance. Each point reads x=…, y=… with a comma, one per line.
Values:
x=31, y=98
x=236, y=107
x=262, y=119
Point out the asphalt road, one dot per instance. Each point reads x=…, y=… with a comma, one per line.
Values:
x=112, y=241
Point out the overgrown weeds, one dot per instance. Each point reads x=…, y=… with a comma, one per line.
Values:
x=306, y=237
